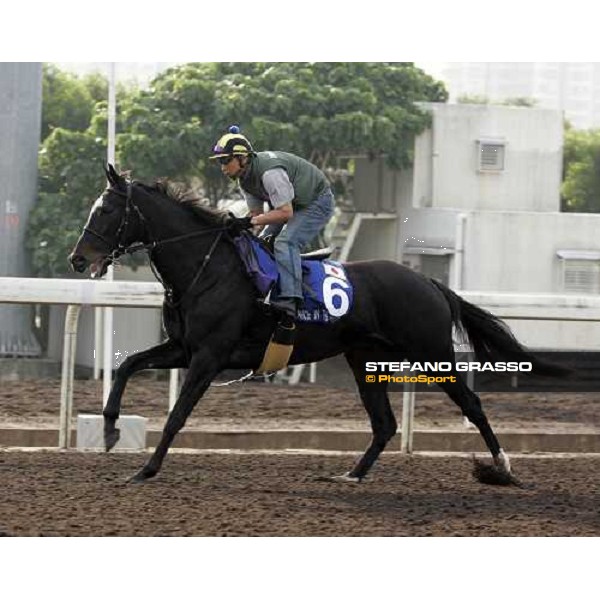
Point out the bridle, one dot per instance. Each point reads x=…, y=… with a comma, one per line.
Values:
x=122, y=248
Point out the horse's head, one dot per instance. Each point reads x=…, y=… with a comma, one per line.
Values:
x=110, y=228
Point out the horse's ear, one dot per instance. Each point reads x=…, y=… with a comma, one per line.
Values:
x=113, y=177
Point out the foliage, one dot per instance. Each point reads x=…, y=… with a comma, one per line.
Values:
x=67, y=101
x=581, y=176
x=473, y=99
x=520, y=101
x=478, y=99
x=71, y=176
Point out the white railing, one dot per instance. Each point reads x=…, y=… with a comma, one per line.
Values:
x=537, y=307
x=76, y=293
x=82, y=292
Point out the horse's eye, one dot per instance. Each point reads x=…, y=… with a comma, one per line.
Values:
x=106, y=209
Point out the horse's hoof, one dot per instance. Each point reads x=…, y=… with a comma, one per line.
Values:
x=111, y=439
x=502, y=461
x=345, y=478
x=493, y=474
x=141, y=477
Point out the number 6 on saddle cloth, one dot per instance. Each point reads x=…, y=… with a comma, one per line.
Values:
x=327, y=292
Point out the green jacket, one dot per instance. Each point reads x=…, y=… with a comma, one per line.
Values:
x=308, y=181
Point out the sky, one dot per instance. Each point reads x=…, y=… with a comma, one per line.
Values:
x=143, y=72
x=140, y=72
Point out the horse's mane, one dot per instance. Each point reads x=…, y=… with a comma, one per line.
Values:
x=187, y=198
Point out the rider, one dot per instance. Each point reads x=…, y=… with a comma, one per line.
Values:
x=299, y=198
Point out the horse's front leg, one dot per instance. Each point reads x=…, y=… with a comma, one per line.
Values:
x=204, y=367
x=168, y=355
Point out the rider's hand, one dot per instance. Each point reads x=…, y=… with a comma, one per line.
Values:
x=238, y=224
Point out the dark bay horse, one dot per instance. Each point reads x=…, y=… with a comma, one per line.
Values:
x=214, y=321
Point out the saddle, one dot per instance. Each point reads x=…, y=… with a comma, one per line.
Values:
x=320, y=254
x=326, y=290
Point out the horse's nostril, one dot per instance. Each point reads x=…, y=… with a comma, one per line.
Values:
x=78, y=262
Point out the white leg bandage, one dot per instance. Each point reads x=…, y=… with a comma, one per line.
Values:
x=502, y=461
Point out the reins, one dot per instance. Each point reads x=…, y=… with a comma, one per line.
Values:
x=169, y=292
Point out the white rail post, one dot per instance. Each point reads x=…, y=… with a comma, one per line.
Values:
x=459, y=252
x=68, y=375
x=313, y=373
x=108, y=335
x=98, y=351
x=408, y=413
x=173, y=387
x=471, y=385
x=107, y=347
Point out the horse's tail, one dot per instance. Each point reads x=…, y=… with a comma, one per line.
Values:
x=491, y=338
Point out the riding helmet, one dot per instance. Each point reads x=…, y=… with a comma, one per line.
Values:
x=232, y=143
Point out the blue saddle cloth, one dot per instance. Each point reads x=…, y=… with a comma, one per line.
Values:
x=328, y=294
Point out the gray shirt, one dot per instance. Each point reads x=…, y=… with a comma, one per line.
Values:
x=278, y=186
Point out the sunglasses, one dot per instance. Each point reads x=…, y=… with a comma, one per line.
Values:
x=225, y=160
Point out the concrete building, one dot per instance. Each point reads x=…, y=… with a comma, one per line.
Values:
x=573, y=88
x=20, y=127
x=480, y=210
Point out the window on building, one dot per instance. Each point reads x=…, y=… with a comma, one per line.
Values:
x=491, y=155
x=580, y=271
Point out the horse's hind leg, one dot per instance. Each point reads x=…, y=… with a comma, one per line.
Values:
x=383, y=426
x=383, y=423
x=167, y=355
x=470, y=405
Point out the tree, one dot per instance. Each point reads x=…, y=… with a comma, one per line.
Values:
x=580, y=189
x=71, y=176
x=67, y=101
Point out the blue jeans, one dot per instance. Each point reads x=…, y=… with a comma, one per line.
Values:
x=292, y=236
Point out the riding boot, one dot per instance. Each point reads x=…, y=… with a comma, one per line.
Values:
x=285, y=331
x=288, y=309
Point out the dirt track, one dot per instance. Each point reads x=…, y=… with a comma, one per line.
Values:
x=207, y=494
x=260, y=405
x=277, y=495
